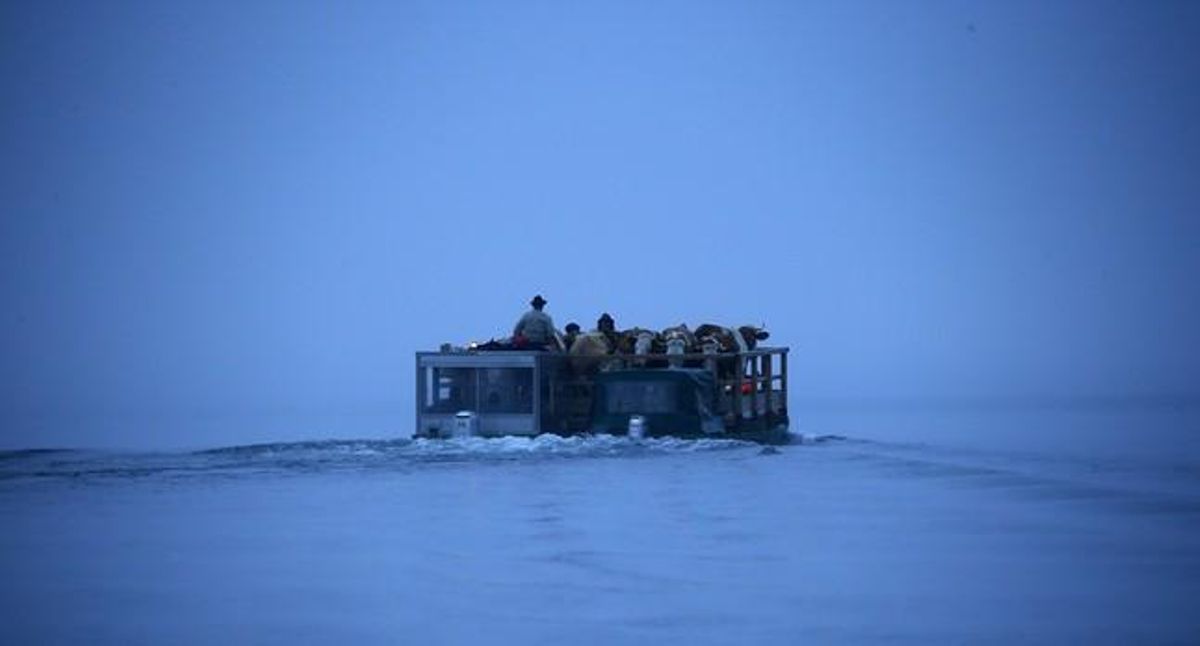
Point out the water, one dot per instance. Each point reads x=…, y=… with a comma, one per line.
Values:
x=864, y=538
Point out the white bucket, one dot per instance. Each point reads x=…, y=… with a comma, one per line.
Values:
x=466, y=424
x=637, y=427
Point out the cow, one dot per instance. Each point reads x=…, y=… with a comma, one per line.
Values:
x=720, y=339
x=585, y=351
x=678, y=340
x=753, y=334
x=744, y=338
x=639, y=341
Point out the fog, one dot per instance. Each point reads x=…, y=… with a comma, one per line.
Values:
x=235, y=223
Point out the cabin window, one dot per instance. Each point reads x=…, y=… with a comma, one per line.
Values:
x=449, y=390
x=506, y=390
x=641, y=397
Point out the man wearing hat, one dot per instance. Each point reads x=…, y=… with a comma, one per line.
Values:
x=535, y=329
x=608, y=327
x=570, y=333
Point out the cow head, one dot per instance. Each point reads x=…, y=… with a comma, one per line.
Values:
x=721, y=336
x=752, y=335
x=643, y=342
x=682, y=337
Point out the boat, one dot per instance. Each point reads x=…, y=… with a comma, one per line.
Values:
x=490, y=393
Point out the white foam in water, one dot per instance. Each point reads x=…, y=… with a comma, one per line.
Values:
x=595, y=540
x=330, y=455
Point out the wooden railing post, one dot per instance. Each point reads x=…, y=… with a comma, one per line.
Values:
x=738, y=373
x=783, y=377
x=768, y=383
x=754, y=396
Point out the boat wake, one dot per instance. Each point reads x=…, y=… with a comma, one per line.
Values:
x=341, y=455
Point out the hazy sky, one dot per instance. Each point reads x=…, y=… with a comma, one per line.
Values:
x=217, y=213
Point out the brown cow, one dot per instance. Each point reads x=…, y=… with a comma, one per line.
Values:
x=726, y=340
x=585, y=351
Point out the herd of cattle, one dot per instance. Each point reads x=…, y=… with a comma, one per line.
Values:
x=588, y=350
x=707, y=339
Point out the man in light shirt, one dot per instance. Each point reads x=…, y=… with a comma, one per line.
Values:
x=535, y=329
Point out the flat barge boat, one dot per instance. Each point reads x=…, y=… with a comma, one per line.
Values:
x=490, y=393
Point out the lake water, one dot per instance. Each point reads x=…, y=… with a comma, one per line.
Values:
x=908, y=527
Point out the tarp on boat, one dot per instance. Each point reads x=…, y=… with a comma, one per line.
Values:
x=679, y=402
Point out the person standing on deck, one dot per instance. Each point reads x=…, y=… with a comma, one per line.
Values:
x=608, y=327
x=570, y=333
x=535, y=329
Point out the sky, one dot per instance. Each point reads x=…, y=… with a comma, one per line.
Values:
x=217, y=216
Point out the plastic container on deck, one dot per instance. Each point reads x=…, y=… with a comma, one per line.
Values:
x=466, y=424
x=637, y=427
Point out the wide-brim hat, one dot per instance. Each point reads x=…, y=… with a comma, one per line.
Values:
x=538, y=300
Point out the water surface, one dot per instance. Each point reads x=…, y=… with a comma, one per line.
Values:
x=851, y=539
